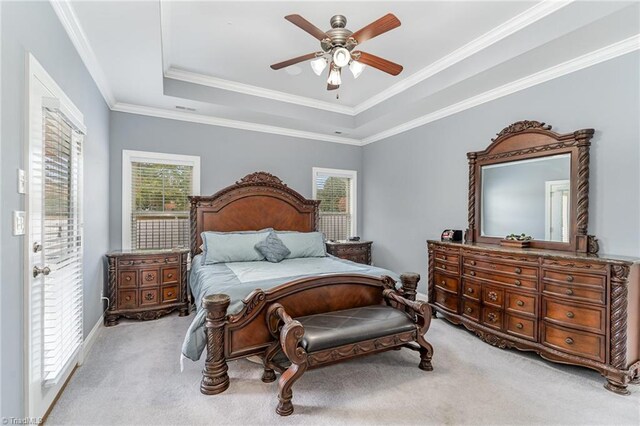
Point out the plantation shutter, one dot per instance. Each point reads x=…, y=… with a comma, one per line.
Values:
x=160, y=205
x=62, y=243
x=334, y=192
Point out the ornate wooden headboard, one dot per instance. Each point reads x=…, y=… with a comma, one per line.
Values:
x=258, y=200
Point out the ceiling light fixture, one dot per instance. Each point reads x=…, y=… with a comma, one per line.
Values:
x=341, y=57
x=318, y=65
x=334, y=77
x=356, y=68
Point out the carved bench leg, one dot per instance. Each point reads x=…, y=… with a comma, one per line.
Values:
x=426, y=353
x=269, y=374
x=214, y=376
x=285, y=394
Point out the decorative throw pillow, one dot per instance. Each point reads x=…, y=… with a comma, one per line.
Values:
x=272, y=248
x=223, y=247
x=303, y=244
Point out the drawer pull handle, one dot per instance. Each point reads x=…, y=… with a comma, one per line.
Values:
x=569, y=292
x=128, y=278
x=444, y=257
x=468, y=310
x=443, y=266
x=492, y=295
x=170, y=294
x=492, y=317
x=569, y=341
x=518, y=270
x=472, y=263
x=169, y=275
x=519, y=325
x=470, y=290
x=520, y=303
x=149, y=277
x=443, y=282
x=148, y=296
x=570, y=314
x=472, y=273
x=127, y=298
x=517, y=282
x=570, y=278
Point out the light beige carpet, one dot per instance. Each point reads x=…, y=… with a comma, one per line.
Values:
x=132, y=376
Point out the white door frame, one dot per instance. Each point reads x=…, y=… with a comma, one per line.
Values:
x=547, y=204
x=38, y=400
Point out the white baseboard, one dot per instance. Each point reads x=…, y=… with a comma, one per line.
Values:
x=90, y=340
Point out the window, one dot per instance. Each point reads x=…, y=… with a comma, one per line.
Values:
x=155, y=203
x=336, y=189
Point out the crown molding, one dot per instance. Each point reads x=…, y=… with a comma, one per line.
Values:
x=247, y=89
x=592, y=58
x=225, y=122
x=69, y=20
x=502, y=31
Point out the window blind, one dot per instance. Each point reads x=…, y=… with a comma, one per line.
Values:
x=334, y=192
x=160, y=205
x=62, y=244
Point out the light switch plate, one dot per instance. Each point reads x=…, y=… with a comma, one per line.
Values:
x=22, y=182
x=19, y=223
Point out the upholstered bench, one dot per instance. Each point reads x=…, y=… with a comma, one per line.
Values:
x=330, y=337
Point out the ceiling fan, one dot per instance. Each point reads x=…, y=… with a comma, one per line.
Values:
x=337, y=46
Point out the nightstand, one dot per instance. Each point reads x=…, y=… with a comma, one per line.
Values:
x=355, y=251
x=146, y=284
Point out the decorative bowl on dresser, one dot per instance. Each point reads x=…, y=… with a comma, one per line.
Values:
x=146, y=284
x=355, y=251
x=557, y=298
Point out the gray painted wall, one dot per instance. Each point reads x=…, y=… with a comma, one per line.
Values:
x=415, y=183
x=34, y=27
x=226, y=155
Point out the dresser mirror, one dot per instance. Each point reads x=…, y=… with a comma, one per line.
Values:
x=532, y=181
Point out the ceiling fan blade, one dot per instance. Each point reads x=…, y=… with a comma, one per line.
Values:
x=332, y=86
x=292, y=61
x=307, y=26
x=374, y=29
x=378, y=62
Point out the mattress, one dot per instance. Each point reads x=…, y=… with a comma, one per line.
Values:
x=238, y=279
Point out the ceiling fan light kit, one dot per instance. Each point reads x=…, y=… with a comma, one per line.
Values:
x=337, y=45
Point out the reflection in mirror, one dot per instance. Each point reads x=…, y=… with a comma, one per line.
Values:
x=528, y=196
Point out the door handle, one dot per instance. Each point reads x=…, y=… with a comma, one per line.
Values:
x=44, y=271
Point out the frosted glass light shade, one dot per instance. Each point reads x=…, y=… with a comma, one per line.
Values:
x=341, y=57
x=334, y=77
x=356, y=68
x=318, y=65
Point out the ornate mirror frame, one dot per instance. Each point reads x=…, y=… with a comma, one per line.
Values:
x=533, y=139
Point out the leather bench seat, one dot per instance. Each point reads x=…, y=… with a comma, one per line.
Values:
x=333, y=329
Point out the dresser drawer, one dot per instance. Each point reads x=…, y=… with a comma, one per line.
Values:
x=471, y=309
x=574, y=278
x=126, y=261
x=128, y=279
x=588, y=318
x=441, y=254
x=149, y=296
x=570, y=292
x=170, y=294
x=471, y=290
x=492, y=296
x=588, y=345
x=503, y=279
x=492, y=317
x=446, y=282
x=447, y=301
x=169, y=275
x=127, y=299
x=526, y=328
x=521, y=303
x=452, y=268
x=516, y=269
x=149, y=277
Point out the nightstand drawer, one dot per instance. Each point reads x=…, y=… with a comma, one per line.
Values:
x=149, y=296
x=127, y=299
x=359, y=251
x=169, y=294
x=149, y=277
x=128, y=279
x=169, y=275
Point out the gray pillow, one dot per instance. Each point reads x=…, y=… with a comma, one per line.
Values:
x=303, y=244
x=222, y=247
x=272, y=248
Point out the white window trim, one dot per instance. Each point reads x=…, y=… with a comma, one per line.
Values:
x=353, y=204
x=129, y=157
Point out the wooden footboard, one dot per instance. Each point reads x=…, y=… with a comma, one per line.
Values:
x=246, y=333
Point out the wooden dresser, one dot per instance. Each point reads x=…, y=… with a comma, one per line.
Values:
x=146, y=284
x=355, y=251
x=573, y=308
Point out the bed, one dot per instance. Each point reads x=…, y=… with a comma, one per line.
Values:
x=232, y=298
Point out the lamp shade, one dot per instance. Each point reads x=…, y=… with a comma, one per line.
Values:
x=341, y=57
x=334, y=77
x=356, y=68
x=318, y=65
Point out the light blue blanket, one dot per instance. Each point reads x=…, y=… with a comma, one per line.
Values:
x=238, y=279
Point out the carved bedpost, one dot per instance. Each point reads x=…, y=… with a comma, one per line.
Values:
x=193, y=224
x=186, y=291
x=214, y=376
x=471, y=212
x=618, y=350
x=409, y=282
